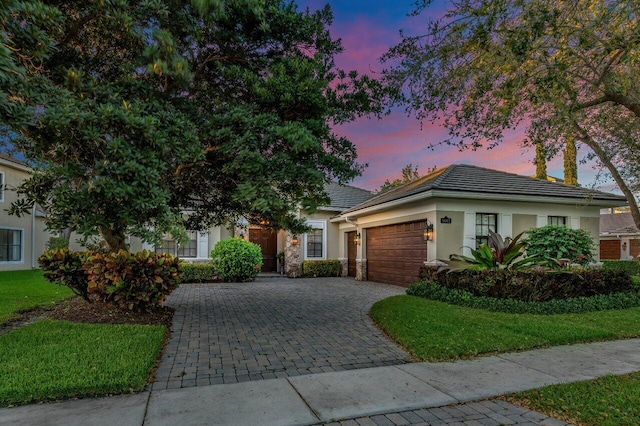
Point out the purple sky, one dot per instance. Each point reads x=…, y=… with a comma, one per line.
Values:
x=367, y=29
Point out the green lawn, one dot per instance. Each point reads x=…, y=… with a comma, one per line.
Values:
x=27, y=289
x=608, y=401
x=436, y=331
x=50, y=360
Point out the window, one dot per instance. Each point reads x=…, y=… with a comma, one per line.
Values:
x=314, y=240
x=557, y=220
x=189, y=249
x=1, y=187
x=485, y=222
x=10, y=245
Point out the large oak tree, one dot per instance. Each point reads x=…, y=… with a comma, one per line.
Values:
x=134, y=112
x=559, y=67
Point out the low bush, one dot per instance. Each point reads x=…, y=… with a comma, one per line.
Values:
x=321, y=268
x=136, y=282
x=57, y=243
x=198, y=273
x=432, y=291
x=237, y=260
x=560, y=242
x=535, y=285
x=65, y=267
x=631, y=266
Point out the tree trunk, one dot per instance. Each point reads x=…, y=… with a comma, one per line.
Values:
x=114, y=238
x=541, y=162
x=570, y=161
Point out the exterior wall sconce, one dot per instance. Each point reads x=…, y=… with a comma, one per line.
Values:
x=357, y=239
x=624, y=246
x=294, y=240
x=427, y=233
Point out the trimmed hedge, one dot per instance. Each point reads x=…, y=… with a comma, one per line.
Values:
x=533, y=285
x=631, y=266
x=578, y=305
x=321, y=268
x=237, y=260
x=198, y=273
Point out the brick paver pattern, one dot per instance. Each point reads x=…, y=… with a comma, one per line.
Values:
x=274, y=327
x=483, y=413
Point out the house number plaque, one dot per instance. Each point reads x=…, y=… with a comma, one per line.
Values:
x=445, y=220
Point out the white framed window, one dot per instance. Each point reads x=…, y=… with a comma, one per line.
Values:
x=187, y=250
x=485, y=222
x=11, y=245
x=315, y=242
x=557, y=220
x=2, y=187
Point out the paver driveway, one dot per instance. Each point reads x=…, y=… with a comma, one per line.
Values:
x=274, y=327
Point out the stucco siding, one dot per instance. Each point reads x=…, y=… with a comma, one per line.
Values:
x=448, y=236
x=523, y=222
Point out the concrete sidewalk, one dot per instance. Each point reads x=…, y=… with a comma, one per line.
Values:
x=327, y=397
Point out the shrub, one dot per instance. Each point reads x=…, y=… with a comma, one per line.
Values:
x=57, y=243
x=198, y=273
x=535, y=285
x=237, y=260
x=65, y=267
x=631, y=266
x=321, y=268
x=136, y=282
x=560, y=242
x=430, y=290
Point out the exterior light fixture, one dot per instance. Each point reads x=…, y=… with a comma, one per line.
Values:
x=427, y=233
x=624, y=246
x=357, y=239
x=294, y=240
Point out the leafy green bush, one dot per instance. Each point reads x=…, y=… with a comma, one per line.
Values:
x=560, y=242
x=237, y=260
x=57, y=243
x=136, y=282
x=534, y=285
x=198, y=273
x=631, y=266
x=601, y=302
x=65, y=267
x=321, y=268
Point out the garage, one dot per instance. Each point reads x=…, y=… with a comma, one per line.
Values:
x=609, y=249
x=395, y=253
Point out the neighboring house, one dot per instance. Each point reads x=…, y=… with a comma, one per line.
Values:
x=457, y=205
x=619, y=236
x=22, y=239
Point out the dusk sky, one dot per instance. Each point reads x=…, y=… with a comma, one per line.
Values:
x=367, y=29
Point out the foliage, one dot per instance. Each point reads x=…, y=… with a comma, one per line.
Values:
x=224, y=109
x=606, y=401
x=137, y=282
x=237, y=260
x=51, y=360
x=57, y=243
x=541, y=161
x=533, y=285
x=321, y=268
x=631, y=266
x=409, y=174
x=576, y=305
x=554, y=68
x=497, y=254
x=23, y=290
x=436, y=331
x=560, y=242
x=65, y=267
x=198, y=273
x=570, y=162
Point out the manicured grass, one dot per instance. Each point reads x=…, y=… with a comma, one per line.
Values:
x=436, y=331
x=27, y=289
x=50, y=360
x=608, y=401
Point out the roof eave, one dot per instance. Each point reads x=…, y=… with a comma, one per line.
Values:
x=15, y=165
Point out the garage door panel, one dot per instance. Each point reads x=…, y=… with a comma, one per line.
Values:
x=395, y=253
x=610, y=249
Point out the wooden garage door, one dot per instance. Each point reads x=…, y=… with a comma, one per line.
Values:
x=609, y=249
x=395, y=253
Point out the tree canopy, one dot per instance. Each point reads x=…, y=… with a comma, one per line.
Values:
x=558, y=67
x=148, y=116
x=409, y=174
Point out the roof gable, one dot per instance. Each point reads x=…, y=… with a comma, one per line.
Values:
x=344, y=197
x=617, y=223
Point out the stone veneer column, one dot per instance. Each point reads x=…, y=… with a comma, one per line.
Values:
x=361, y=269
x=344, y=263
x=292, y=256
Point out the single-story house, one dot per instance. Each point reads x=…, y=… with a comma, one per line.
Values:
x=22, y=239
x=619, y=236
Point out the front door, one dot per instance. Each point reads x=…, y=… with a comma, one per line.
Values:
x=351, y=253
x=268, y=242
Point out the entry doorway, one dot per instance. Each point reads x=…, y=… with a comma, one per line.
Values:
x=351, y=253
x=268, y=242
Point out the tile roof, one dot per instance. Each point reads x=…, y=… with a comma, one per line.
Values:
x=617, y=223
x=472, y=179
x=344, y=197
